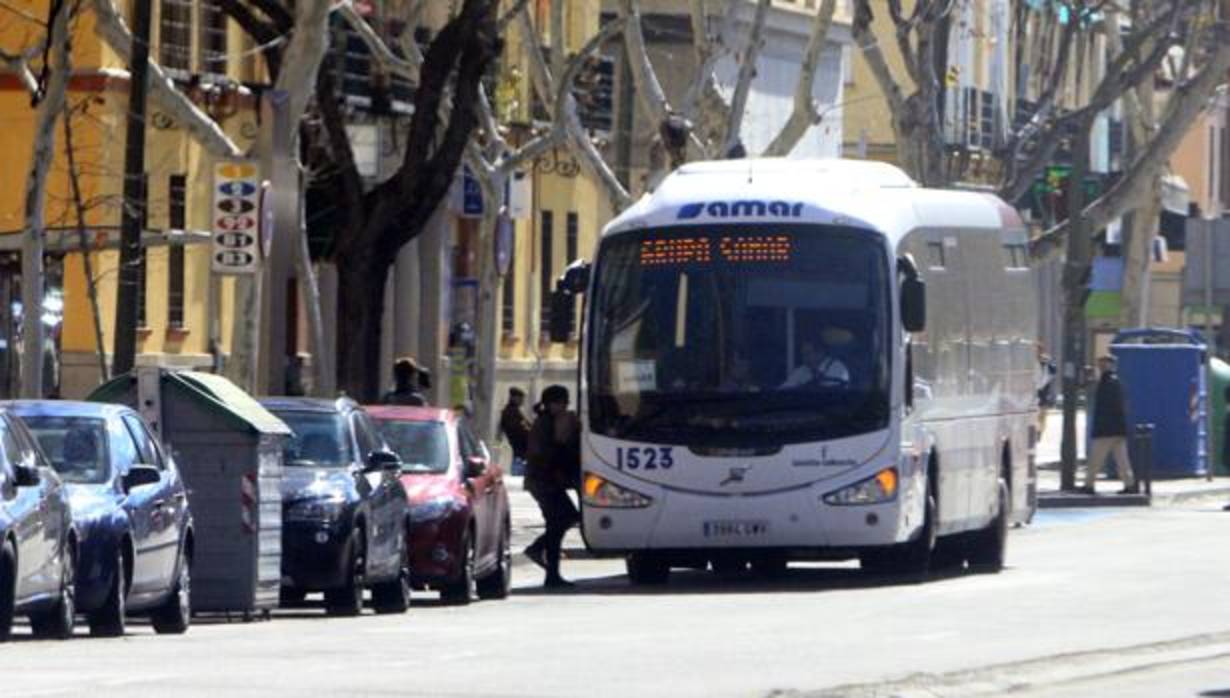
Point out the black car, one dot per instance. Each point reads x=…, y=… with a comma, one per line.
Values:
x=344, y=517
x=38, y=544
x=130, y=510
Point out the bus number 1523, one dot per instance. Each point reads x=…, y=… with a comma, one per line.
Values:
x=644, y=458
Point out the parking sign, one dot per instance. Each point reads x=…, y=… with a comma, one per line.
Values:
x=236, y=222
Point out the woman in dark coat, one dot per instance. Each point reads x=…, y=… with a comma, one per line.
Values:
x=553, y=467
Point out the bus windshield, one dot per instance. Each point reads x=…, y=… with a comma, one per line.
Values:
x=740, y=335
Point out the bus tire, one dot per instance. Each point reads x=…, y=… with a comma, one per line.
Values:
x=647, y=568
x=987, y=546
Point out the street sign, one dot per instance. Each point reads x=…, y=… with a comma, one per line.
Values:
x=236, y=222
x=471, y=194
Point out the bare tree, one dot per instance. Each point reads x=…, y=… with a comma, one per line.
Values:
x=709, y=125
x=49, y=98
x=1135, y=52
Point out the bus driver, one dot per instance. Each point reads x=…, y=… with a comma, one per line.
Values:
x=818, y=370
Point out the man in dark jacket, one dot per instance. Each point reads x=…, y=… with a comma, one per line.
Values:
x=1109, y=430
x=405, y=385
x=554, y=464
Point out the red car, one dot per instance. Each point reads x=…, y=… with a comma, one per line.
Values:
x=460, y=530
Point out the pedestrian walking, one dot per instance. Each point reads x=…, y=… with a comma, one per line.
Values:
x=553, y=467
x=1109, y=430
x=405, y=385
x=516, y=428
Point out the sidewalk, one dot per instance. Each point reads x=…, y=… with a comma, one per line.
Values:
x=1169, y=491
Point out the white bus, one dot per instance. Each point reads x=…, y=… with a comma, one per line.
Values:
x=805, y=360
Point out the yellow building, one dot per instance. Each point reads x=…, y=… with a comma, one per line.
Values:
x=567, y=210
x=197, y=45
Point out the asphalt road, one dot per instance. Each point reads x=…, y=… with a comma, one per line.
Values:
x=1088, y=596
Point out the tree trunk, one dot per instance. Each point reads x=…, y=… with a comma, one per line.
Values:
x=42, y=153
x=359, y=326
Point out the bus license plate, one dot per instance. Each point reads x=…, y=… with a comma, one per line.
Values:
x=735, y=529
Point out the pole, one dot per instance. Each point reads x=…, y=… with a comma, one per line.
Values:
x=125, y=352
x=1075, y=282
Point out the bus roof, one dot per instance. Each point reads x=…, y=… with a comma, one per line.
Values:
x=859, y=193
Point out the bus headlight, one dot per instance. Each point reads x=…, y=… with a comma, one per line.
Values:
x=879, y=488
x=597, y=492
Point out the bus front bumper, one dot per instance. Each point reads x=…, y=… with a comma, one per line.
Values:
x=798, y=519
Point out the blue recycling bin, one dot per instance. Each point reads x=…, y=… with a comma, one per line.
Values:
x=1163, y=377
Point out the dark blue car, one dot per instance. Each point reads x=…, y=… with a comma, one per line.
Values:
x=129, y=508
x=344, y=518
x=38, y=544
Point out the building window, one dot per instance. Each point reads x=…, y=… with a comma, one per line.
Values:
x=212, y=40
x=570, y=255
x=508, y=305
x=175, y=253
x=175, y=34
x=546, y=264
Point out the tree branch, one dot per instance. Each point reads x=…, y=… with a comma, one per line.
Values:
x=20, y=67
x=644, y=77
x=304, y=54
x=204, y=130
x=747, y=72
x=805, y=115
x=1184, y=105
x=262, y=30
x=567, y=116
x=407, y=68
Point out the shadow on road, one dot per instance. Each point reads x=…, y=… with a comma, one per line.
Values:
x=795, y=579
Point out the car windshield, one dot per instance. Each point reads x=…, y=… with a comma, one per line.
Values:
x=76, y=446
x=320, y=439
x=777, y=334
x=422, y=446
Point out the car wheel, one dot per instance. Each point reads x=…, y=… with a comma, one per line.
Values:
x=291, y=596
x=8, y=589
x=57, y=623
x=175, y=614
x=647, y=568
x=394, y=596
x=348, y=600
x=497, y=584
x=987, y=547
x=108, y=621
x=461, y=591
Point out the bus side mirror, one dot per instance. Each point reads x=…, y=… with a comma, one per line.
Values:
x=914, y=305
x=562, y=316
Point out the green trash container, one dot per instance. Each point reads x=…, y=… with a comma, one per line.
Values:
x=1218, y=382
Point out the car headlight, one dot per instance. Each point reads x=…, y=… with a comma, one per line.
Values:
x=597, y=492
x=879, y=488
x=433, y=509
x=315, y=510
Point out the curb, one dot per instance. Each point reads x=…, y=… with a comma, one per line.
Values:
x=1074, y=500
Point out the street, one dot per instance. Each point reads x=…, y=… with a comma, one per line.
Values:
x=1136, y=588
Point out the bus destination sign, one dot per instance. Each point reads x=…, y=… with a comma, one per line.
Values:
x=705, y=249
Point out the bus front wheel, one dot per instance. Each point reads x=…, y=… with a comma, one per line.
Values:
x=647, y=568
x=911, y=561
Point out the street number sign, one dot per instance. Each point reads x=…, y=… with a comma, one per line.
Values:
x=236, y=220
